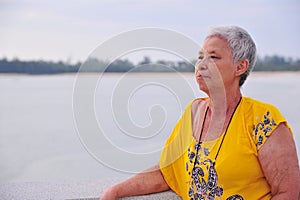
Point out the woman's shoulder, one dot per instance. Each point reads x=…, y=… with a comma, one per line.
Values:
x=260, y=109
x=258, y=104
x=197, y=101
x=194, y=104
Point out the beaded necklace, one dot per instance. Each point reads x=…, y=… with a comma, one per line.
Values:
x=200, y=142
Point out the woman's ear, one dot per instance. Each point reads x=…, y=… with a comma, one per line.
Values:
x=241, y=67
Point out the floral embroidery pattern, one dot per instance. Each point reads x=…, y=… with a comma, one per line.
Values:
x=235, y=197
x=204, y=177
x=262, y=130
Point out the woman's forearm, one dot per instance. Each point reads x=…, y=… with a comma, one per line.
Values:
x=146, y=182
x=285, y=196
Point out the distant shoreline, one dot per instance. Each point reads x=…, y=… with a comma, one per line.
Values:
x=254, y=73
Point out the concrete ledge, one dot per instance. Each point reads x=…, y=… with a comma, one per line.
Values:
x=158, y=196
x=83, y=190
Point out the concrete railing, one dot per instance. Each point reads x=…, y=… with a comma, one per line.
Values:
x=83, y=190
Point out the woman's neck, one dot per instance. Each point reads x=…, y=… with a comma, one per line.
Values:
x=224, y=99
x=220, y=110
x=224, y=103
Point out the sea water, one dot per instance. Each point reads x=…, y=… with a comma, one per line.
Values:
x=40, y=139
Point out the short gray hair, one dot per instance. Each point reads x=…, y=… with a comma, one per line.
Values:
x=240, y=43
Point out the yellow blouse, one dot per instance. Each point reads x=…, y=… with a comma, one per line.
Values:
x=236, y=173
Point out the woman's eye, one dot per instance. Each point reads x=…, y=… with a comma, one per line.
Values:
x=214, y=57
x=200, y=57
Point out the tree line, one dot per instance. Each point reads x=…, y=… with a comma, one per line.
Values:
x=267, y=63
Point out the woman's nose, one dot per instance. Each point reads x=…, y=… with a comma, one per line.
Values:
x=201, y=64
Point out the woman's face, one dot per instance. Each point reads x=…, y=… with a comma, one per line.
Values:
x=215, y=67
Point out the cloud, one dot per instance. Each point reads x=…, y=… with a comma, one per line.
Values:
x=25, y=24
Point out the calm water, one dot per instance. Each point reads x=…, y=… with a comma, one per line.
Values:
x=38, y=137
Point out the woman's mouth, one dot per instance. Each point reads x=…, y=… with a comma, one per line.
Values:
x=202, y=76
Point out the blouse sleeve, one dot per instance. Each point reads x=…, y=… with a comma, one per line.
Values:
x=170, y=148
x=266, y=119
x=172, y=153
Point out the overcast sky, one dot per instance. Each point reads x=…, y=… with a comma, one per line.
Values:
x=72, y=29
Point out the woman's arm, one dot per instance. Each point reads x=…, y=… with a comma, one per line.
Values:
x=278, y=159
x=146, y=182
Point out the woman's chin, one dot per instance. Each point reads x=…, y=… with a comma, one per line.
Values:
x=203, y=88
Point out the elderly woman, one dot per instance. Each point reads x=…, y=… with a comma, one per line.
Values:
x=225, y=146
